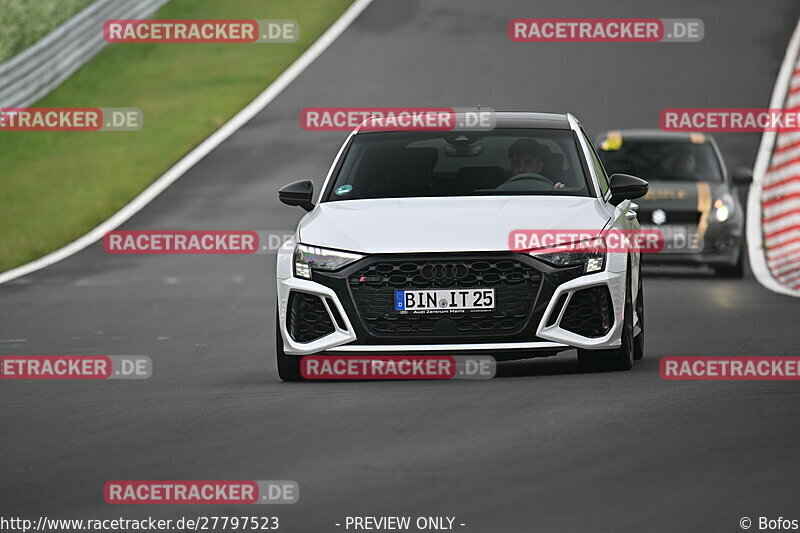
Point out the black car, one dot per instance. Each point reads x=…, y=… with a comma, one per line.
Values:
x=692, y=200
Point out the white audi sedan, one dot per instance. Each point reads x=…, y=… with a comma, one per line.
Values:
x=442, y=243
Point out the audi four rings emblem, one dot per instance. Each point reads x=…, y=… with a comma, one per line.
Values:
x=444, y=271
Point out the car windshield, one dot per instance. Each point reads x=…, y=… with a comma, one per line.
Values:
x=661, y=160
x=464, y=163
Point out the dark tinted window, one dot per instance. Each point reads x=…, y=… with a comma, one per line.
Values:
x=660, y=160
x=493, y=163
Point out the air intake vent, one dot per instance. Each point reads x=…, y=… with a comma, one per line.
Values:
x=589, y=313
x=308, y=318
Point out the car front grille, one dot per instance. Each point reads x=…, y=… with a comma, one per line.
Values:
x=689, y=218
x=516, y=285
x=589, y=312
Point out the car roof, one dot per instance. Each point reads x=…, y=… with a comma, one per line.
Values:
x=520, y=119
x=658, y=135
x=506, y=119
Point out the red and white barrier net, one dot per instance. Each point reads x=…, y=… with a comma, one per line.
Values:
x=773, y=225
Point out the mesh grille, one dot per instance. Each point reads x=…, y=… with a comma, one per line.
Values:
x=308, y=318
x=589, y=313
x=516, y=285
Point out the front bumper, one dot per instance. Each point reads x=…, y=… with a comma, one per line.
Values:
x=543, y=328
x=722, y=245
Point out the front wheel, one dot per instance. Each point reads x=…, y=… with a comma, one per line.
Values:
x=288, y=367
x=616, y=358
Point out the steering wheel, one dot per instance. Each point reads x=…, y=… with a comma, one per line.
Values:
x=529, y=176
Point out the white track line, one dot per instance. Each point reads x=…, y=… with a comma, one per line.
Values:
x=203, y=149
x=754, y=237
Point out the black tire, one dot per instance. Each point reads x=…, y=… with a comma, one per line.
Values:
x=638, y=341
x=614, y=359
x=288, y=367
x=732, y=271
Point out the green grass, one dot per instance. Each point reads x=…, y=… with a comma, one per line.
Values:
x=55, y=186
x=23, y=22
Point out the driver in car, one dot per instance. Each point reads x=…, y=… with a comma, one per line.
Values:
x=685, y=166
x=527, y=161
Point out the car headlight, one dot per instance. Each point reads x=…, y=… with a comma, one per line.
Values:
x=724, y=207
x=308, y=258
x=591, y=254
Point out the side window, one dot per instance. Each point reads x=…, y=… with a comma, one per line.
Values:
x=602, y=177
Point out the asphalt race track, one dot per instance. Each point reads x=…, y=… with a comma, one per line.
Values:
x=540, y=448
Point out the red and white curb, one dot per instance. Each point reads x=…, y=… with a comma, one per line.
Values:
x=773, y=205
x=203, y=149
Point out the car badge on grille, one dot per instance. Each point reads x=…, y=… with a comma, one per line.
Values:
x=659, y=216
x=444, y=271
x=354, y=280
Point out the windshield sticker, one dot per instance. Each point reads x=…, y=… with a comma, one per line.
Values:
x=613, y=141
x=344, y=189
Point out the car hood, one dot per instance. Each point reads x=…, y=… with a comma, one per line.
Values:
x=452, y=224
x=681, y=195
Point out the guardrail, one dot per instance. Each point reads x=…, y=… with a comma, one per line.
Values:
x=36, y=71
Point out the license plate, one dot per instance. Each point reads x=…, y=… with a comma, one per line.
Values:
x=443, y=299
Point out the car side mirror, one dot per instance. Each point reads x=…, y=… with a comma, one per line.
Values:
x=627, y=187
x=298, y=193
x=742, y=176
